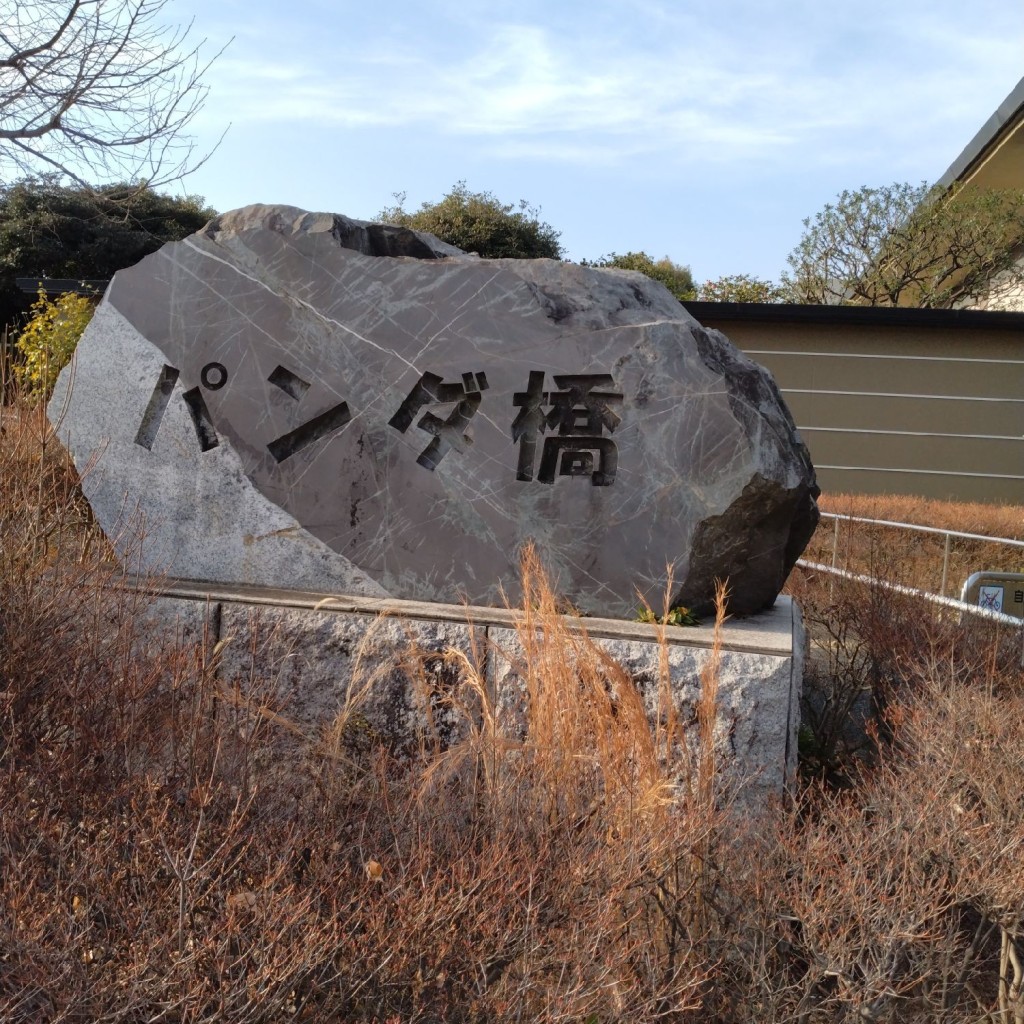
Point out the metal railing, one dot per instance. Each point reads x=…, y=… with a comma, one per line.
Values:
x=838, y=517
x=940, y=598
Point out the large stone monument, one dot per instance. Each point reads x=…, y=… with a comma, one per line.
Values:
x=307, y=401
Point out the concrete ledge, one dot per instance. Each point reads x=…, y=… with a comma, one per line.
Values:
x=770, y=632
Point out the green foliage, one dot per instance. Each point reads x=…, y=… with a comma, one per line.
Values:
x=680, y=615
x=741, y=288
x=479, y=222
x=807, y=744
x=677, y=278
x=909, y=245
x=50, y=230
x=48, y=340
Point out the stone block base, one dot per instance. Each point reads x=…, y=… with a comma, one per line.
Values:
x=309, y=653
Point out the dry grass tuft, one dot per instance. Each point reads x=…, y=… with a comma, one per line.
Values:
x=156, y=865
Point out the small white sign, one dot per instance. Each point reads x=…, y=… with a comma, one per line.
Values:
x=990, y=598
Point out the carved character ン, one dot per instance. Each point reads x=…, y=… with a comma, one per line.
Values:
x=324, y=423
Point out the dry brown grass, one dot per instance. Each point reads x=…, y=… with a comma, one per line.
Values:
x=552, y=864
x=969, y=517
x=154, y=867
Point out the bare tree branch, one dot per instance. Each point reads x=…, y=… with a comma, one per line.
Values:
x=98, y=89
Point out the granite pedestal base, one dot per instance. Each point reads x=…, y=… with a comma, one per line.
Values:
x=307, y=652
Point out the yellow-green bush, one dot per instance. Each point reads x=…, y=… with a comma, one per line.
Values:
x=48, y=340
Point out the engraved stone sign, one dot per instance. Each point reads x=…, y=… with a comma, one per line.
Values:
x=310, y=401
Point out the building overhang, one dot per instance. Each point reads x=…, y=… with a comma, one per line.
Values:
x=856, y=316
x=59, y=285
x=994, y=158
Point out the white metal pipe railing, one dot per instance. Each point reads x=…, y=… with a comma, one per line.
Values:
x=838, y=517
x=923, y=529
x=902, y=588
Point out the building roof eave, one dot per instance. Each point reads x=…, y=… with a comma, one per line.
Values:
x=1009, y=111
x=856, y=316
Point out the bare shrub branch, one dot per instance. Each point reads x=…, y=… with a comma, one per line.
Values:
x=98, y=90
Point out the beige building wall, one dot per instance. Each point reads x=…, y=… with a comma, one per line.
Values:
x=905, y=401
x=888, y=409
x=1007, y=291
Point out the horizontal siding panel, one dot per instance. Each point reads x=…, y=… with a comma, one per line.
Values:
x=935, y=454
x=949, y=343
x=966, y=378
x=921, y=409
x=926, y=485
x=1001, y=418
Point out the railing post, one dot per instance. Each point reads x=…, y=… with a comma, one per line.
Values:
x=835, y=550
x=940, y=598
x=945, y=567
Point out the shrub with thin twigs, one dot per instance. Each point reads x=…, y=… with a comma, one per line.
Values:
x=865, y=637
x=563, y=857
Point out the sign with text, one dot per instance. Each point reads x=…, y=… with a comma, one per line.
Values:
x=305, y=400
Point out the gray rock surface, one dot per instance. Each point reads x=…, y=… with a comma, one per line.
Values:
x=309, y=401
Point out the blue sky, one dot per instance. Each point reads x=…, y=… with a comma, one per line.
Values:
x=698, y=130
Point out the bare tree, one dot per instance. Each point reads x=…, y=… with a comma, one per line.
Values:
x=102, y=88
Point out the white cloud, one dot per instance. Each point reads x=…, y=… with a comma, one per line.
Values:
x=736, y=81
